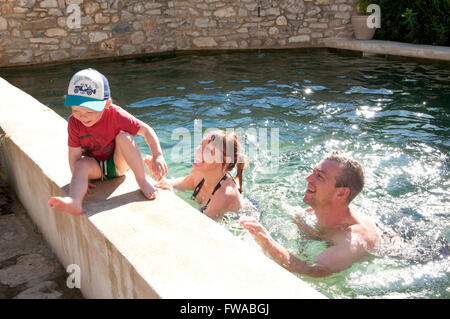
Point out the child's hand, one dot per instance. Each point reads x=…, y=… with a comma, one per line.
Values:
x=156, y=165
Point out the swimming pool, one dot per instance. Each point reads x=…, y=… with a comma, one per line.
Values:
x=392, y=115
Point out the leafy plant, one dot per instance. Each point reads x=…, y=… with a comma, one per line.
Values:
x=362, y=6
x=415, y=21
x=3, y=139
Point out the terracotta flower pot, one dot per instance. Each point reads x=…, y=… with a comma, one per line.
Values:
x=360, y=28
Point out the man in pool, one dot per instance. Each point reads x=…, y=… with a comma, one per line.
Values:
x=332, y=185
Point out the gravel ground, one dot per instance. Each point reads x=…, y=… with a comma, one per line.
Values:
x=28, y=268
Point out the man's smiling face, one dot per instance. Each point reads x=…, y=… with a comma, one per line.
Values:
x=321, y=188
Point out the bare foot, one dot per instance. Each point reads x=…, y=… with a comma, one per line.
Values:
x=65, y=204
x=147, y=189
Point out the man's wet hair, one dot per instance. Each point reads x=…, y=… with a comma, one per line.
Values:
x=351, y=173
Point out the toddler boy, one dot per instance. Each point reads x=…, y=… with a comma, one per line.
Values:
x=101, y=143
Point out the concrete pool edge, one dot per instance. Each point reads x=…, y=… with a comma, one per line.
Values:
x=126, y=246
x=391, y=48
x=422, y=52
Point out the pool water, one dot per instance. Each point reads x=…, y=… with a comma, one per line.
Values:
x=293, y=107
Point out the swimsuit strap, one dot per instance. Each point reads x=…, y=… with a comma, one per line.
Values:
x=199, y=186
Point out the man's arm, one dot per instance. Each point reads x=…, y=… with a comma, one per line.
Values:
x=333, y=259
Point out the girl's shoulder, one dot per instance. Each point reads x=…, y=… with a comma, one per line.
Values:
x=229, y=193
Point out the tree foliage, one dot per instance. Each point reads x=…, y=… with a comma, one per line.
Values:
x=415, y=21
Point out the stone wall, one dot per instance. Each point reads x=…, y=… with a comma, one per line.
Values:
x=40, y=31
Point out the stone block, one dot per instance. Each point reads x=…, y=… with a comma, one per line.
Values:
x=318, y=26
x=20, y=10
x=48, y=4
x=3, y=24
x=293, y=6
x=55, y=32
x=299, y=38
x=91, y=7
x=12, y=237
x=270, y=12
x=230, y=45
x=40, y=24
x=273, y=31
x=108, y=46
x=242, y=12
x=225, y=13
x=78, y=51
x=44, y=40
x=97, y=36
x=28, y=268
x=127, y=49
x=343, y=15
x=154, y=12
x=43, y=290
x=55, y=12
x=281, y=20
x=204, y=23
x=101, y=19
x=121, y=28
x=137, y=37
x=59, y=55
x=345, y=7
x=204, y=42
x=313, y=11
x=26, y=3
x=304, y=31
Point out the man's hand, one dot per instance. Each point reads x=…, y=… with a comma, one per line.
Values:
x=280, y=254
x=259, y=233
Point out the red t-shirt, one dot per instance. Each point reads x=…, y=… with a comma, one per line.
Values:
x=98, y=141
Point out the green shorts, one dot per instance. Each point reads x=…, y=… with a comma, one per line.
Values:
x=108, y=168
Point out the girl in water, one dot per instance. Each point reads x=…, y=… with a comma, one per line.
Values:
x=210, y=180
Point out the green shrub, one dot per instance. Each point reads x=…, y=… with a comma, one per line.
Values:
x=3, y=138
x=415, y=21
x=362, y=5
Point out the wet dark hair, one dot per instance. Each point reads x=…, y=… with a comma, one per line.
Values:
x=350, y=175
x=232, y=157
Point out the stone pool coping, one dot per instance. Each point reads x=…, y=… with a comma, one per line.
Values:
x=125, y=245
x=420, y=51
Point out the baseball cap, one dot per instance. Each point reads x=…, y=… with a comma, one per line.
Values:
x=88, y=88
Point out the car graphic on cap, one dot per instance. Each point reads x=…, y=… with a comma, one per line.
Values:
x=84, y=89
